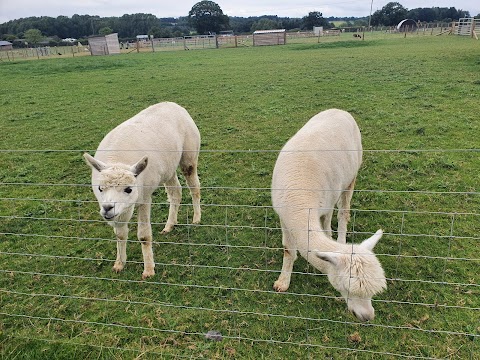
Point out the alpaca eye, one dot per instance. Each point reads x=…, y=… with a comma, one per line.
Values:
x=128, y=190
x=100, y=189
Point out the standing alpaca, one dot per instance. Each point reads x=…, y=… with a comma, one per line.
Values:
x=136, y=158
x=315, y=171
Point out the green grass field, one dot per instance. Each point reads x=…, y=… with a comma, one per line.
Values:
x=417, y=102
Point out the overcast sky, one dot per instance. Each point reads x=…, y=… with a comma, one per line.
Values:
x=15, y=9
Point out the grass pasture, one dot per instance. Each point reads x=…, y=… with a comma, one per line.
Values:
x=417, y=102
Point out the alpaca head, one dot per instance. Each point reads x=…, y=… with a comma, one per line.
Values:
x=115, y=187
x=357, y=275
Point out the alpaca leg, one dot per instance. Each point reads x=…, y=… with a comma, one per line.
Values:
x=343, y=215
x=189, y=170
x=289, y=257
x=145, y=236
x=174, y=194
x=121, y=231
x=122, y=234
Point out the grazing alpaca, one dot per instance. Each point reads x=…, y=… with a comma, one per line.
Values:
x=133, y=160
x=315, y=171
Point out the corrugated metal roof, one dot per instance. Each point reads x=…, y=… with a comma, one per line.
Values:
x=5, y=43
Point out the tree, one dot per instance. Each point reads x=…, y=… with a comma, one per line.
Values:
x=390, y=15
x=264, y=24
x=207, y=17
x=33, y=36
x=105, y=31
x=160, y=32
x=9, y=37
x=314, y=18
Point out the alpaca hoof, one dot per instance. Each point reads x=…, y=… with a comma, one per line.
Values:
x=117, y=267
x=280, y=286
x=196, y=220
x=167, y=229
x=147, y=274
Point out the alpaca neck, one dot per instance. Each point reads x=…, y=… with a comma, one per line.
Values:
x=318, y=241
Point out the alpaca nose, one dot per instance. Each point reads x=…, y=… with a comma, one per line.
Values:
x=364, y=316
x=362, y=309
x=107, y=211
x=107, y=208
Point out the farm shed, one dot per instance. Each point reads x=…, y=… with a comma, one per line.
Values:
x=143, y=37
x=104, y=45
x=407, y=25
x=6, y=45
x=269, y=37
x=318, y=30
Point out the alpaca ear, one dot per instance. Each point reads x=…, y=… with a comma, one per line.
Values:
x=329, y=257
x=370, y=243
x=140, y=166
x=94, y=163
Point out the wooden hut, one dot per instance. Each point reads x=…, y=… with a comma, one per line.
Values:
x=104, y=45
x=269, y=37
x=6, y=45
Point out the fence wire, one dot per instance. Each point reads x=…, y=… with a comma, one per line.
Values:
x=57, y=286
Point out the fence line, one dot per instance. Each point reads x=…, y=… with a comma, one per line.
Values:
x=232, y=188
x=250, y=151
x=211, y=42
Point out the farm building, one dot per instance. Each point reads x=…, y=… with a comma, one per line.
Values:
x=6, y=45
x=143, y=37
x=269, y=37
x=104, y=45
x=318, y=30
x=407, y=25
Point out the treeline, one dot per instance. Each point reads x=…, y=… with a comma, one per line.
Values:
x=241, y=25
x=83, y=26
x=129, y=26
x=392, y=13
x=436, y=14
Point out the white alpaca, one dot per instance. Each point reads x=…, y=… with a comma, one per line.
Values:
x=136, y=158
x=315, y=171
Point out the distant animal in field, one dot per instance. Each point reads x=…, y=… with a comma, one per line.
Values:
x=133, y=160
x=357, y=36
x=316, y=171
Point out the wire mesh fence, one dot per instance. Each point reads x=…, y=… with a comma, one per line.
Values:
x=212, y=294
